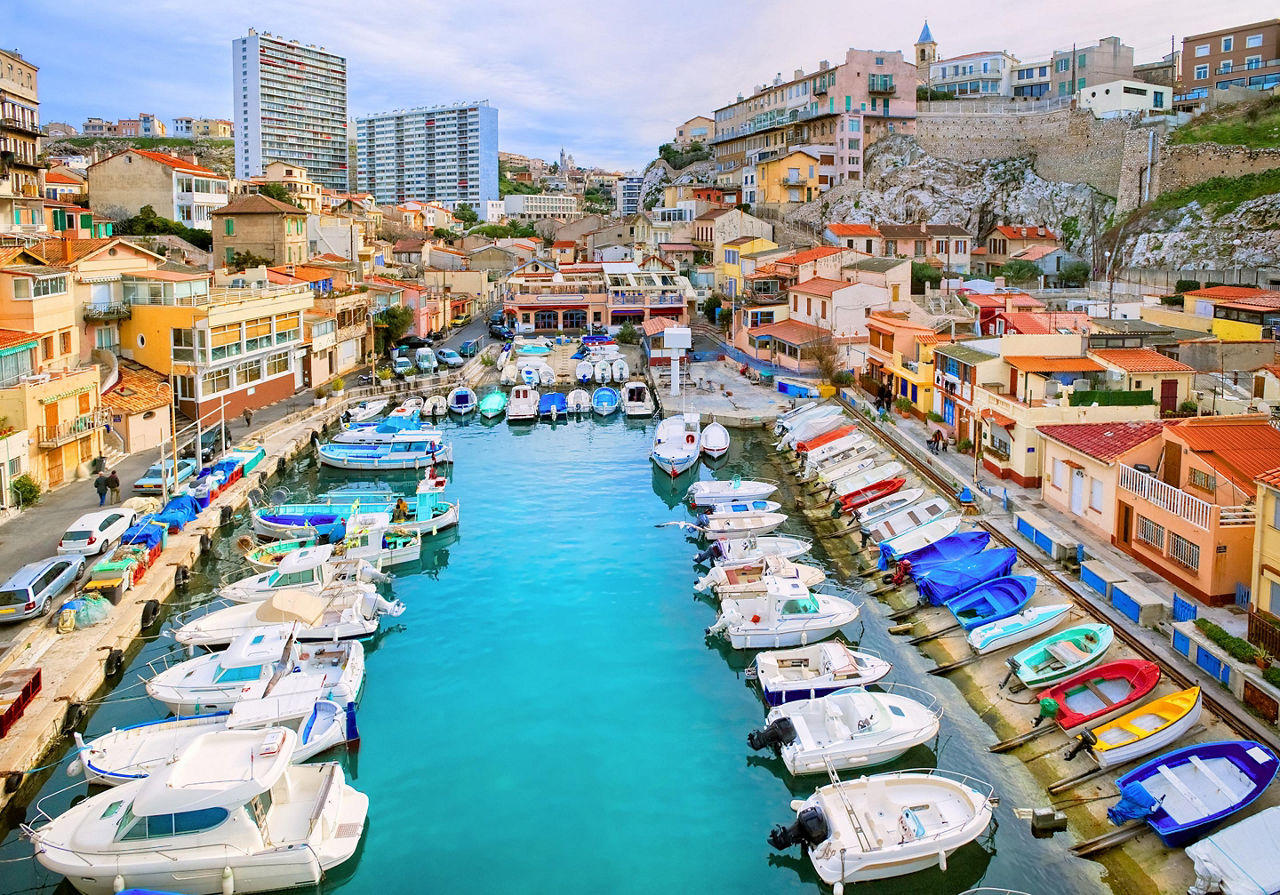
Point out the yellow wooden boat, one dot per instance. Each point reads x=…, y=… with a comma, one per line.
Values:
x=1146, y=729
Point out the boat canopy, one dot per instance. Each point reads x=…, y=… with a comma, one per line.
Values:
x=290, y=606
x=943, y=581
x=220, y=769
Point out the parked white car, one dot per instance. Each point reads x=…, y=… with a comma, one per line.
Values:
x=93, y=533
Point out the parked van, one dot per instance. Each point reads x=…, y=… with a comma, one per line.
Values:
x=425, y=360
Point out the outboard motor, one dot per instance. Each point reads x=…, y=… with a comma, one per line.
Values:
x=703, y=521
x=809, y=830
x=711, y=552
x=778, y=734
x=1086, y=740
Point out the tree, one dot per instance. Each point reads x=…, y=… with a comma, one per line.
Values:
x=245, y=260
x=1019, y=271
x=711, y=307
x=627, y=334
x=390, y=326
x=278, y=192
x=447, y=235
x=147, y=223
x=826, y=356
x=921, y=274
x=466, y=214
x=1075, y=273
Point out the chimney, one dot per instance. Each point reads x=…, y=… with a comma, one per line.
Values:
x=1040, y=231
x=999, y=282
x=824, y=65
x=189, y=158
x=799, y=74
x=924, y=228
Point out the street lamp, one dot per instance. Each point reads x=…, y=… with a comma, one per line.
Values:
x=1236, y=269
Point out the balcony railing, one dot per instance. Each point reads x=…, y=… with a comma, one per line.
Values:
x=1199, y=513
x=1264, y=630
x=107, y=312
x=793, y=181
x=17, y=124
x=56, y=436
x=881, y=85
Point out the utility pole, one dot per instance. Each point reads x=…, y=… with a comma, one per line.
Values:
x=1072, y=86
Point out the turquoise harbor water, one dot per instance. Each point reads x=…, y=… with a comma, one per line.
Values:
x=547, y=718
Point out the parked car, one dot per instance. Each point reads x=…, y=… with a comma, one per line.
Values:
x=470, y=348
x=449, y=357
x=211, y=441
x=155, y=479
x=460, y=320
x=95, y=532
x=402, y=366
x=497, y=318
x=498, y=331
x=33, y=588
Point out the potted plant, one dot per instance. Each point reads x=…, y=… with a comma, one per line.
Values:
x=903, y=406
x=322, y=396
x=1262, y=659
x=384, y=376
x=338, y=385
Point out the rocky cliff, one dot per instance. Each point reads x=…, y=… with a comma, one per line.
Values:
x=1205, y=237
x=216, y=155
x=659, y=175
x=904, y=184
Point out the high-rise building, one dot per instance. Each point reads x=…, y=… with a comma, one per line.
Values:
x=628, y=194
x=445, y=154
x=289, y=104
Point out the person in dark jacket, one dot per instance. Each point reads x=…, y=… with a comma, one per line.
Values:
x=100, y=485
x=113, y=482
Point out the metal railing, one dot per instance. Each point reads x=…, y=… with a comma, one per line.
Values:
x=108, y=312
x=1264, y=630
x=55, y=436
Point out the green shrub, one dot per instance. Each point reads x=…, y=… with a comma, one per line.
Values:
x=321, y=393
x=934, y=417
x=1237, y=648
x=842, y=378
x=964, y=445
x=26, y=490
x=1186, y=286
x=627, y=334
x=903, y=404
x=384, y=374
x=1272, y=675
x=488, y=360
x=338, y=384
x=1188, y=407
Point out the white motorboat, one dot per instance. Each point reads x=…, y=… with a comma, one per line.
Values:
x=887, y=825
x=1028, y=624
x=712, y=491
x=620, y=370
x=462, y=400
x=920, y=536
x=546, y=375
x=879, y=510
x=252, y=666
x=309, y=569
x=603, y=372
x=676, y=443
x=578, y=401
x=523, y=404
x=753, y=579
x=850, y=728
x=715, y=440
x=386, y=433
x=792, y=418
x=838, y=448
x=296, y=702
x=737, y=552
x=409, y=409
x=741, y=508
x=911, y=518
x=636, y=400
x=863, y=478
x=583, y=372
x=404, y=450
x=366, y=410
x=437, y=405
x=740, y=525
x=344, y=615
x=812, y=428
x=810, y=672
x=230, y=813
x=788, y=614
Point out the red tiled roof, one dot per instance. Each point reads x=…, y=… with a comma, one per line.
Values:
x=563, y=244
x=305, y=274
x=170, y=276
x=1243, y=447
x=12, y=338
x=978, y=251
x=1102, y=441
x=655, y=325
x=257, y=204
x=403, y=246
x=53, y=175
x=1257, y=301
x=978, y=300
x=174, y=162
x=1140, y=360
x=1026, y=233
x=1224, y=293
x=1041, y=322
x=677, y=247
x=1037, y=364
x=819, y=286
x=138, y=390
x=68, y=251
x=853, y=230
x=793, y=332
x=1005, y=422
x=1271, y=477
x=809, y=255
x=1035, y=253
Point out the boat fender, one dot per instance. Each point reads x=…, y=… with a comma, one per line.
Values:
x=117, y=883
x=942, y=860
x=1086, y=740
x=228, y=881
x=315, y=438
x=781, y=732
x=1048, y=710
x=810, y=829
x=280, y=466
x=75, y=714
x=12, y=780
x=150, y=612
x=181, y=576
x=755, y=619
x=353, y=733
x=114, y=664
x=205, y=542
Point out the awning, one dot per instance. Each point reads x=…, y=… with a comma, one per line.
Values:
x=619, y=311
x=999, y=419
x=459, y=303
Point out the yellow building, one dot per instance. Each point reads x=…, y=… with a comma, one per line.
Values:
x=729, y=265
x=37, y=297
x=225, y=348
x=790, y=178
x=1264, y=599
x=1249, y=319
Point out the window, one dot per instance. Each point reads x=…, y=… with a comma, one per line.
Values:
x=278, y=363
x=215, y=381
x=64, y=343
x=1228, y=43
x=1080, y=60
x=1253, y=62
x=1150, y=533
x=1253, y=40
x=1275, y=512
x=1226, y=66
x=1095, y=494
x=1184, y=552
x=1080, y=84
x=1157, y=99
x=1060, y=475
x=1062, y=65
x=229, y=227
x=1202, y=72
x=1202, y=50
x=46, y=348
x=1198, y=478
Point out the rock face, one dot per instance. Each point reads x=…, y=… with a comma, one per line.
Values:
x=1195, y=238
x=904, y=184
x=217, y=156
x=659, y=174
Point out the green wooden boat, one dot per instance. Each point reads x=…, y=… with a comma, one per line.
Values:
x=1061, y=654
x=266, y=557
x=493, y=404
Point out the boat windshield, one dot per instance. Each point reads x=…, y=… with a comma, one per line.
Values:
x=803, y=606
x=292, y=579
x=238, y=675
x=158, y=826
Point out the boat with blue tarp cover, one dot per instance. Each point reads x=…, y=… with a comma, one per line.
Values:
x=945, y=550
x=946, y=580
x=553, y=405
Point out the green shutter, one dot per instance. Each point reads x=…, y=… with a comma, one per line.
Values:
x=86, y=221
x=231, y=255
x=229, y=227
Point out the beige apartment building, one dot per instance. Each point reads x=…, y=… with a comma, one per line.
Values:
x=261, y=226
x=294, y=180
x=177, y=188
x=1241, y=56
x=21, y=184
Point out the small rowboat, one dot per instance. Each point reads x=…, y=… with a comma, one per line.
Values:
x=493, y=404
x=904, y=521
x=367, y=409
x=946, y=580
x=1196, y=787
x=1099, y=694
x=713, y=492
x=462, y=400
x=872, y=492
x=834, y=451
x=993, y=600
x=737, y=552
x=809, y=444
x=1149, y=728
x=579, y=401
x=739, y=507
x=862, y=480
x=837, y=468
x=920, y=536
x=1026, y=625
x=1061, y=655
x=740, y=525
x=715, y=440
x=883, y=508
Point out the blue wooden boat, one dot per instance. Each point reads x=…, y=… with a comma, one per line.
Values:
x=424, y=511
x=553, y=405
x=604, y=401
x=407, y=451
x=943, y=581
x=992, y=600
x=462, y=400
x=1184, y=793
x=944, y=550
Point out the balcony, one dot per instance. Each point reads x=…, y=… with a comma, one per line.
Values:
x=881, y=85
x=95, y=313
x=793, y=181
x=1199, y=513
x=55, y=436
x=17, y=124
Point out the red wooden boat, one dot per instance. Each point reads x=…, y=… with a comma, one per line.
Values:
x=1099, y=694
x=803, y=447
x=863, y=496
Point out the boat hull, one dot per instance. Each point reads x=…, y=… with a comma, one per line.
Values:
x=1006, y=632
x=1136, y=677
x=674, y=466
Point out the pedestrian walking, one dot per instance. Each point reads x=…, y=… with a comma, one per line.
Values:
x=113, y=482
x=100, y=485
x=248, y=417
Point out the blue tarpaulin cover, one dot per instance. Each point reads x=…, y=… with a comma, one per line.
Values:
x=146, y=531
x=178, y=512
x=1135, y=804
x=955, y=546
x=939, y=583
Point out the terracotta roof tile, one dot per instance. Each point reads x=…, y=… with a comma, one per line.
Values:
x=793, y=332
x=1140, y=360
x=1224, y=293
x=1042, y=322
x=1243, y=447
x=1037, y=364
x=257, y=204
x=12, y=338
x=1102, y=441
x=175, y=163
x=853, y=230
x=655, y=325
x=1024, y=233
x=810, y=255
x=138, y=390
x=819, y=286
x=1271, y=477
x=1035, y=253
x=53, y=175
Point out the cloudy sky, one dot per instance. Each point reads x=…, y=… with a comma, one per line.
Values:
x=608, y=81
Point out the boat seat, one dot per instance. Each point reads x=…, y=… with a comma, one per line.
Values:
x=1102, y=697
x=1213, y=778
x=836, y=726
x=1066, y=652
x=1183, y=790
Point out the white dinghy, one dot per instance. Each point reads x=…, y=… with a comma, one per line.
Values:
x=739, y=525
x=578, y=401
x=909, y=519
x=787, y=614
x=715, y=440
x=879, y=510
x=809, y=672
x=711, y=492
x=344, y=616
x=753, y=579
x=850, y=728
x=737, y=552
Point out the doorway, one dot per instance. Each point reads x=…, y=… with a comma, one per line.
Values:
x=1169, y=396
x=1077, y=492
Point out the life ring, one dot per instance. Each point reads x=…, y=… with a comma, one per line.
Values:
x=688, y=439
